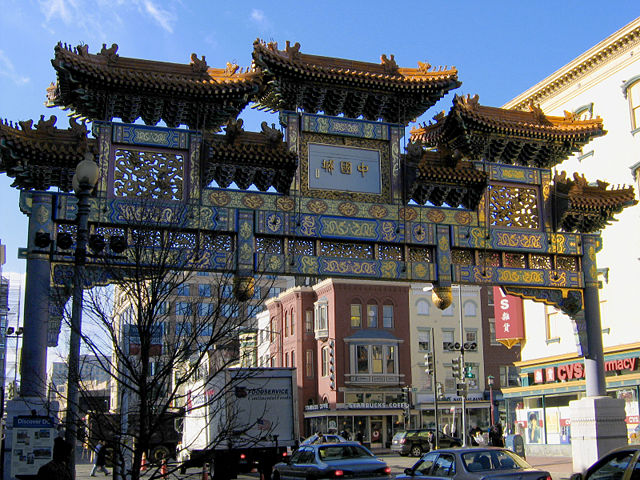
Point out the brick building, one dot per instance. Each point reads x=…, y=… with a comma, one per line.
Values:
x=349, y=340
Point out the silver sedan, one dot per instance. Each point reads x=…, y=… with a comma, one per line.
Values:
x=473, y=463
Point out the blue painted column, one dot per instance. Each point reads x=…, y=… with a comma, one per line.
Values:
x=33, y=360
x=594, y=355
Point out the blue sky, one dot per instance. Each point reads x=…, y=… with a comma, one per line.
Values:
x=499, y=47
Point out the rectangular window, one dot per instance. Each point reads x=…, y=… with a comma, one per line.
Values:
x=183, y=290
x=551, y=323
x=204, y=290
x=325, y=361
x=286, y=359
x=308, y=321
x=293, y=323
x=309, y=364
x=183, y=308
x=227, y=291
x=163, y=308
x=272, y=333
x=492, y=332
x=229, y=311
x=362, y=358
x=293, y=359
x=633, y=93
x=286, y=325
x=356, y=315
x=387, y=316
x=376, y=358
x=447, y=338
x=424, y=341
x=206, y=309
x=372, y=316
x=183, y=328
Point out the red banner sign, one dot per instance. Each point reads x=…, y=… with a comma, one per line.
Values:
x=508, y=311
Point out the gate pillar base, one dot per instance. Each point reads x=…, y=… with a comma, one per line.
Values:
x=597, y=426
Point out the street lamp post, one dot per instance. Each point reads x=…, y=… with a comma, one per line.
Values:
x=84, y=181
x=462, y=366
x=490, y=383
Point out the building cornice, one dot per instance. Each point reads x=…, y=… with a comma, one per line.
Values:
x=610, y=48
x=541, y=362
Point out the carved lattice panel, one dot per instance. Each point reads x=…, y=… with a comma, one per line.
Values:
x=567, y=263
x=346, y=250
x=157, y=175
x=219, y=242
x=515, y=260
x=390, y=252
x=489, y=259
x=420, y=254
x=514, y=207
x=301, y=247
x=541, y=262
x=462, y=257
x=269, y=245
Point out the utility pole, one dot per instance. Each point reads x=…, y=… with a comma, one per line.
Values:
x=462, y=375
x=431, y=369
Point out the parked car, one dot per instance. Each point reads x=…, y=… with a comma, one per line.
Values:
x=473, y=463
x=416, y=442
x=615, y=465
x=323, y=438
x=332, y=460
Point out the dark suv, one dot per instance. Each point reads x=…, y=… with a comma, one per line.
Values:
x=416, y=442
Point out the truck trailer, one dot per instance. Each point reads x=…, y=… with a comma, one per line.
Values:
x=241, y=419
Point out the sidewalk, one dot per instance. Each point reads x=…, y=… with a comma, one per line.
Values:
x=558, y=467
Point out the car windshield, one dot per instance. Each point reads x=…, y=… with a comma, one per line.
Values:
x=340, y=452
x=399, y=435
x=482, y=460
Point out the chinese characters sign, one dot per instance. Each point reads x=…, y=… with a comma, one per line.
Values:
x=509, y=317
x=344, y=169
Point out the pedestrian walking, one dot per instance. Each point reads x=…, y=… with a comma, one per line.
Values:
x=99, y=459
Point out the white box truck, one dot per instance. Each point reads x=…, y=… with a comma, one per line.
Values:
x=242, y=418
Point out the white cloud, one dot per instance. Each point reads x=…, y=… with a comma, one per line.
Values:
x=160, y=15
x=100, y=16
x=8, y=70
x=260, y=19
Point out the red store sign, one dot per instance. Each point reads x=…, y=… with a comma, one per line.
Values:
x=575, y=371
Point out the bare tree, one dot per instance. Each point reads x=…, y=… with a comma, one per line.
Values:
x=152, y=334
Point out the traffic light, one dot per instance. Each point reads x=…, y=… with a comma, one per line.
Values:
x=439, y=390
x=428, y=360
x=456, y=368
x=332, y=364
x=468, y=372
x=461, y=389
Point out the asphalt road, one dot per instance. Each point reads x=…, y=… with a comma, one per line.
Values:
x=559, y=467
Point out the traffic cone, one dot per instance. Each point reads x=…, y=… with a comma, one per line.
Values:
x=163, y=470
x=143, y=464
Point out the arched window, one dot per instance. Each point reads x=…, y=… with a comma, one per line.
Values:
x=422, y=307
x=372, y=315
x=356, y=315
x=470, y=308
x=292, y=316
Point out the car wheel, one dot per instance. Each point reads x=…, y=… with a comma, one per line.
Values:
x=416, y=450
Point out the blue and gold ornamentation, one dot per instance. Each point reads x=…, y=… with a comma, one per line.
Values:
x=253, y=201
x=308, y=265
x=436, y=216
x=389, y=269
x=365, y=268
x=286, y=204
x=530, y=241
x=337, y=227
x=378, y=211
x=388, y=232
x=274, y=223
x=219, y=198
x=308, y=226
x=317, y=206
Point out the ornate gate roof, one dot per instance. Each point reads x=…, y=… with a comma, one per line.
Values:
x=336, y=86
x=507, y=136
x=105, y=86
